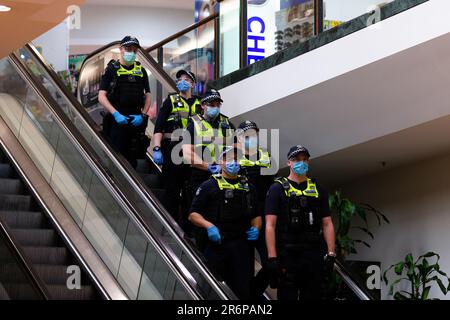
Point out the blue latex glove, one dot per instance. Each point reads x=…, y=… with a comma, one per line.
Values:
x=137, y=119
x=214, y=234
x=214, y=168
x=252, y=234
x=158, y=157
x=120, y=119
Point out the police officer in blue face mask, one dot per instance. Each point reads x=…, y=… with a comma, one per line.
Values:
x=208, y=133
x=225, y=209
x=299, y=231
x=125, y=94
x=175, y=113
x=255, y=164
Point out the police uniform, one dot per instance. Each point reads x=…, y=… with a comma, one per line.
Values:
x=203, y=133
x=126, y=87
x=252, y=169
x=230, y=205
x=300, y=245
x=174, y=114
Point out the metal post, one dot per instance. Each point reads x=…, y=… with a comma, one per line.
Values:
x=243, y=33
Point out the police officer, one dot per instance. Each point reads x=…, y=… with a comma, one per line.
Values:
x=125, y=94
x=225, y=209
x=255, y=164
x=175, y=112
x=297, y=223
x=208, y=133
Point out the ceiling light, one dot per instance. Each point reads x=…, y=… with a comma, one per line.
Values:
x=4, y=8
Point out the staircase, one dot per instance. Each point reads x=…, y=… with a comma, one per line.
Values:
x=39, y=241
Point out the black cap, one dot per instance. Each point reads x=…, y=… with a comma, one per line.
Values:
x=211, y=95
x=295, y=150
x=247, y=125
x=128, y=41
x=188, y=73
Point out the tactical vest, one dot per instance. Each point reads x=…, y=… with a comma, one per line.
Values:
x=181, y=111
x=234, y=215
x=127, y=90
x=301, y=224
x=206, y=135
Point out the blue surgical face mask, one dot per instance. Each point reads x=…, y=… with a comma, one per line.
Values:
x=212, y=112
x=251, y=143
x=301, y=168
x=183, y=86
x=232, y=167
x=129, y=57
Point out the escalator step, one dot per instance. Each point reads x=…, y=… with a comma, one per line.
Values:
x=47, y=255
x=23, y=219
x=5, y=170
x=20, y=291
x=55, y=274
x=36, y=237
x=61, y=292
x=10, y=186
x=152, y=180
x=3, y=294
x=15, y=202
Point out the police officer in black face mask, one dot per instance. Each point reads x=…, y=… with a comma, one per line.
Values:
x=255, y=164
x=125, y=94
x=225, y=209
x=297, y=223
x=175, y=113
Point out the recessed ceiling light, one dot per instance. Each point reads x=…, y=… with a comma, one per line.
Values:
x=4, y=8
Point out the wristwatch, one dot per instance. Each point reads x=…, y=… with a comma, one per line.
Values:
x=331, y=254
x=156, y=148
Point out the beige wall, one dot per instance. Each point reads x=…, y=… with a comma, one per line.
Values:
x=416, y=199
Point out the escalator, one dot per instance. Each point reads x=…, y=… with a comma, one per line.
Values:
x=95, y=216
x=38, y=240
x=140, y=189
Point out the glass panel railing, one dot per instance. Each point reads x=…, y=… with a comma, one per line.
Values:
x=151, y=211
x=87, y=192
x=229, y=57
x=192, y=51
x=16, y=279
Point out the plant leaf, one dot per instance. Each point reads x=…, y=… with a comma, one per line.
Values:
x=365, y=230
x=363, y=242
x=425, y=293
x=399, y=268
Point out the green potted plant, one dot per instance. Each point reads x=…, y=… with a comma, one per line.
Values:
x=420, y=276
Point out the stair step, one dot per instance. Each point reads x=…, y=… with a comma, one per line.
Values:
x=61, y=292
x=10, y=186
x=15, y=202
x=23, y=219
x=56, y=274
x=6, y=170
x=36, y=237
x=47, y=255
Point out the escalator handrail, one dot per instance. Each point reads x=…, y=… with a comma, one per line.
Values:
x=161, y=213
x=36, y=283
x=360, y=291
x=182, y=32
x=182, y=274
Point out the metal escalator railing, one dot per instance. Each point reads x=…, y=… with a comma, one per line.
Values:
x=150, y=214
x=351, y=281
x=17, y=280
x=136, y=255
